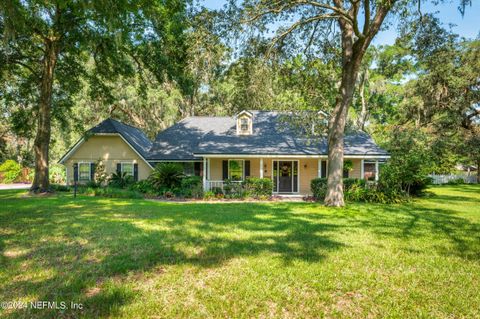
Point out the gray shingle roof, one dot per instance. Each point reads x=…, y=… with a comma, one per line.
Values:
x=133, y=135
x=271, y=135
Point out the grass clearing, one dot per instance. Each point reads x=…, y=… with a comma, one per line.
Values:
x=140, y=259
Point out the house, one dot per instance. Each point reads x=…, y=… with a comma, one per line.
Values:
x=252, y=143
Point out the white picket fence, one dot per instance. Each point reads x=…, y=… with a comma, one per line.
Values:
x=443, y=179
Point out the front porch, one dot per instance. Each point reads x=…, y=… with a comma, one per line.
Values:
x=290, y=175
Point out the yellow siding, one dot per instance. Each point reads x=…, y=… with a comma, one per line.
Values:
x=357, y=170
x=110, y=150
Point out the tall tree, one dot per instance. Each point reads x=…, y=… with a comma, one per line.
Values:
x=45, y=46
x=359, y=21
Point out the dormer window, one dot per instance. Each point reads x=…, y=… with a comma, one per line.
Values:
x=244, y=123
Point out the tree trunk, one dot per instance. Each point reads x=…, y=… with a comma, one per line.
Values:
x=336, y=132
x=478, y=171
x=42, y=140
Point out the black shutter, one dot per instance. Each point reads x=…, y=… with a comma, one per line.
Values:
x=92, y=171
x=324, y=169
x=197, y=168
x=119, y=168
x=247, y=169
x=135, y=172
x=75, y=172
x=225, y=169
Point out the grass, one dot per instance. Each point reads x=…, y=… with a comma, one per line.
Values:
x=143, y=259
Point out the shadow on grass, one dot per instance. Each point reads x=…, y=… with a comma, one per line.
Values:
x=89, y=246
x=91, y=242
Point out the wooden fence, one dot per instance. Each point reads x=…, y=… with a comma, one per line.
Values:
x=444, y=179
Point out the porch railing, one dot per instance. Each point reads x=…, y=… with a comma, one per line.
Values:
x=210, y=184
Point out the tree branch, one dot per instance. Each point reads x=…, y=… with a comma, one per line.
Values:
x=366, y=25
x=298, y=24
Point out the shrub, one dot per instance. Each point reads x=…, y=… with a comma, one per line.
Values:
x=233, y=189
x=456, y=181
x=166, y=175
x=113, y=192
x=60, y=188
x=57, y=174
x=100, y=174
x=217, y=190
x=191, y=186
x=120, y=180
x=143, y=186
x=348, y=183
x=357, y=190
x=11, y=171
x=318, y=186
x=208, y=195
x=258, y=187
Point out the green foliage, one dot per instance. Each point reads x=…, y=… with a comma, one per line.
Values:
x=411, y=162
x=358, y=190
x=100, y=174
x=144, y=187
x=57, y=174
x=348, y=165
x=60, y=188
x=457, y=181
x=209, y=195
x=114, y=192
x=10, y=171
x=166, y=175
x=191, y=187
x=318, y=186
x=233, y=189
x=110, y=192
x=260, y=188
x=120, y=180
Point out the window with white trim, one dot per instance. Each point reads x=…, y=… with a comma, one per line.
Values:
x=369, y=170
x=84, y=173
x=127, y=168
x=236, y=170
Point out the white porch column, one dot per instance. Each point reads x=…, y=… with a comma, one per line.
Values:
x=376, y=170
x=204, y=173
x=261, y=167
x=209, y=170
x=362, y=172
x=319, y=167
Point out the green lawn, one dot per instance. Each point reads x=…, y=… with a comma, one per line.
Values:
x=138, y=258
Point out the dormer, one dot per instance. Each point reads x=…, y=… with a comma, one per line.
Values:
x=244, y=123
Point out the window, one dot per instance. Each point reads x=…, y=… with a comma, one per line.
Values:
x=84, y=172
x=235, y=170
x=127, y=168
x=369, y=171
x=244, y=125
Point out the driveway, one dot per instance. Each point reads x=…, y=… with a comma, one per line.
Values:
x=14, y=186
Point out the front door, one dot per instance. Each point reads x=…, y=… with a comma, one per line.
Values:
x=285, y=176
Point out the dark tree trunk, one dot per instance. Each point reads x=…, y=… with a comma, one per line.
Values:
x=42, y=140
x=478, y=171
x=353, y=50
x=336, y=130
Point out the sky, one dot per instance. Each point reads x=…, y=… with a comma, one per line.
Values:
x=467, y=26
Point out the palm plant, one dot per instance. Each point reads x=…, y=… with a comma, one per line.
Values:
x=166, y=175
x=120, y=180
